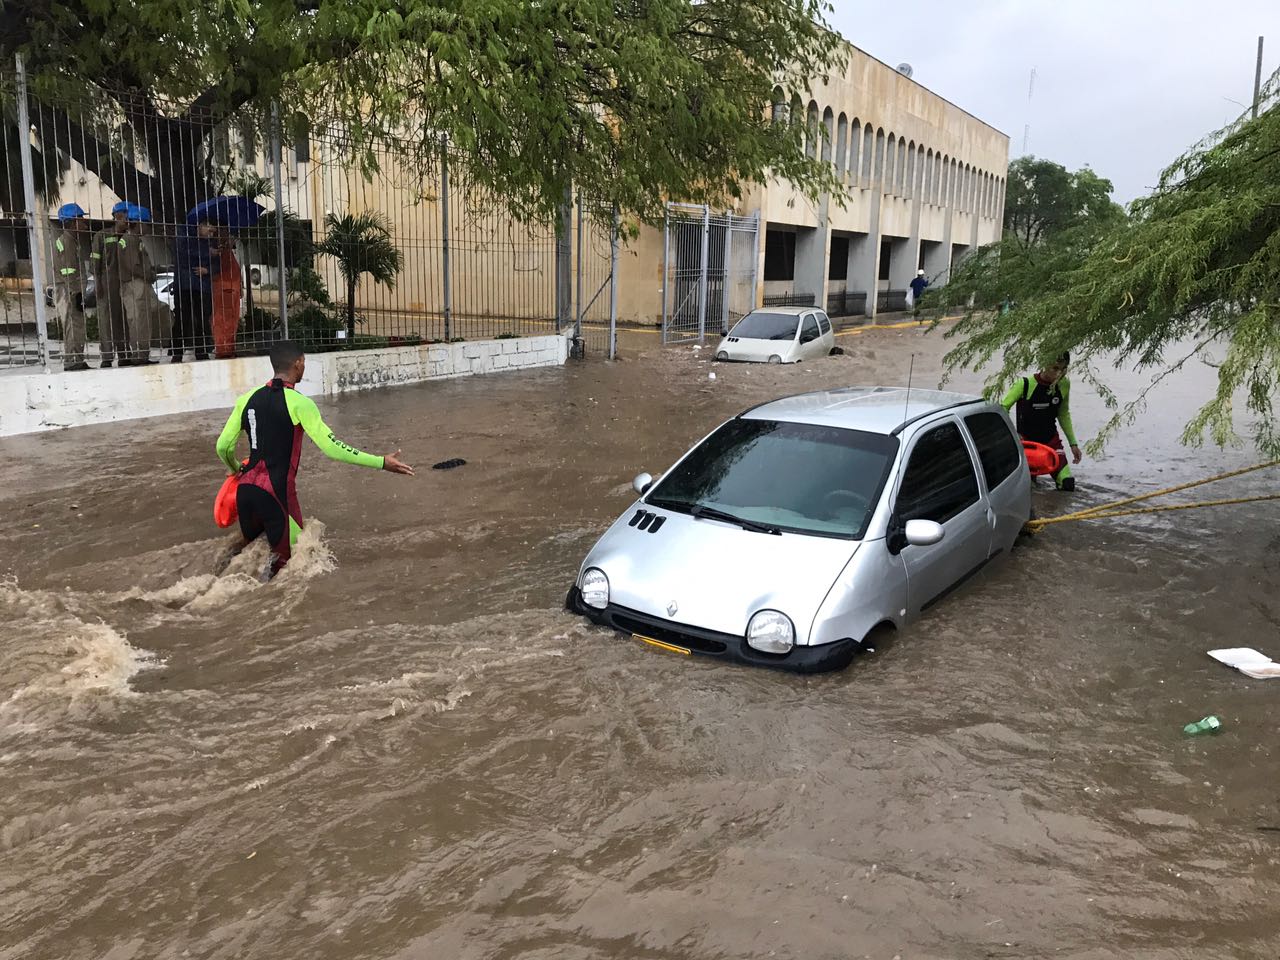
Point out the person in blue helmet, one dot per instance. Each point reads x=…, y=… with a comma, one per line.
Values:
x=68, y=284
x=137, y=296
x=105, y=256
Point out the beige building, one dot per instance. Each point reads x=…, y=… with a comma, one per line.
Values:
x=924, y=184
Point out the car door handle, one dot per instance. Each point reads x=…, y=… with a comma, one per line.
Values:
x=991, y=518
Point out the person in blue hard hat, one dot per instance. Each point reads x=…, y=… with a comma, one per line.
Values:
x=105, y=255
x=137, y=295
x=68, y=284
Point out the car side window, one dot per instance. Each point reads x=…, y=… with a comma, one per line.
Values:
x=809, y=332
x=997, y=449
x=939, y=482
x=823, y=323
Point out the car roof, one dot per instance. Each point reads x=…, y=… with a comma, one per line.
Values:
x=874, y=409
x=793, y=311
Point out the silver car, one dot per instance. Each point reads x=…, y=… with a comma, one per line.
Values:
x=779, y=335
x=799, y=528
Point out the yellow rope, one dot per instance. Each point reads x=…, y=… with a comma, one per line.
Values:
x=1105, y=510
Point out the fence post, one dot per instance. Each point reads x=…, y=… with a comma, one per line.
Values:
x=755, y=266
x=666, y=270
x=446, y=253
x=577, y=323
x=282, y=287
x=613, y=284
x=724, y=295
x=29, y=201
x=702, y=279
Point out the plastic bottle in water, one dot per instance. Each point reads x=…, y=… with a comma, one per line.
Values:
x=1210, y=724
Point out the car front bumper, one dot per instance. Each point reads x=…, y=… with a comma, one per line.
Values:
x=725, y=646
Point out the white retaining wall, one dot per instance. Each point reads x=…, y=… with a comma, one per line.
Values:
x=33, y=401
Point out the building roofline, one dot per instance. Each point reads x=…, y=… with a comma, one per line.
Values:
x=931, y=92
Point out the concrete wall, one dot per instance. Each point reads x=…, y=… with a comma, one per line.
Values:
x=31, y=402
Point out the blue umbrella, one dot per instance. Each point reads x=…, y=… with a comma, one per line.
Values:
x=233, y=213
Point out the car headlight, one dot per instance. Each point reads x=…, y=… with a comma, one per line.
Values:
x=775, y=359
x=770, y=632
x=595, y=589
x=722, y=355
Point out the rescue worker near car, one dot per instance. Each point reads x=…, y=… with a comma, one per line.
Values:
x=68, y=285
x=137, y=296
x=275, y=417
x=1043, y=402
x=105, y=256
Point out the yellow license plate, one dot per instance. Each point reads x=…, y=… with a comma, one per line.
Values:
x=669, y=647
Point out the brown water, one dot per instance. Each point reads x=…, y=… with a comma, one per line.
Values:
x=403, y=748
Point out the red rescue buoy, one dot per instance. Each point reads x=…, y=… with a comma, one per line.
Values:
x=1043, y=460
x=225, y=512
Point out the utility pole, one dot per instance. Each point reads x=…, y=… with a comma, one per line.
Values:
x=1026, y=131
x=1257, y=81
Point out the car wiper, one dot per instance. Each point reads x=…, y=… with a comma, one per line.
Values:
x=711, y=513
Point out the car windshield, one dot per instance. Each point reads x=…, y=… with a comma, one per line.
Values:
x=796, y=477
x=766, y=326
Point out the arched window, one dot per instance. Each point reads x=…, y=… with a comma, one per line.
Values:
x=910, y=189
x=868, y=153
x=902, y=167
x=812, y=131
x=890, y=166
x=855, y=141
x=828, y=134
x=878, y=172
x=842, y=145
x=778, y=112
x=928, y=175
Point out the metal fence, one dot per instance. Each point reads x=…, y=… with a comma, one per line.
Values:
x=352, y=248
x=708, y=270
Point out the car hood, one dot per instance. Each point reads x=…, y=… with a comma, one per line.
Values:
x=717, y=575
x=738, y=348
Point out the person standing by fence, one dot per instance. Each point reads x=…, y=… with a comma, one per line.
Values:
x=68, y=285
x=227, y=288
x=105, y=255
x=194, y=267
x=136, y=294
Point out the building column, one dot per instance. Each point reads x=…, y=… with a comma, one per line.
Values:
x=864, y=253
x=813, y=248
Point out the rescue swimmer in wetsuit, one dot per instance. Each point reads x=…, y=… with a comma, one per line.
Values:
x=275, y=417
x=1044, y=401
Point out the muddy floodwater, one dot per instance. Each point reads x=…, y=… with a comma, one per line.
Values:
x=404, y=748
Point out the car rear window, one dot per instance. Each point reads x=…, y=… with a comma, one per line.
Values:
x=939, y=483
x=997, y=449
x=762, y=325
x=798, y=477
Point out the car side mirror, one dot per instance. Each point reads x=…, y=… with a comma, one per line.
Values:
x=923, y=533
x=641, y=483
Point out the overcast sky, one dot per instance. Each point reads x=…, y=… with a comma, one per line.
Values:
x=1121, y=85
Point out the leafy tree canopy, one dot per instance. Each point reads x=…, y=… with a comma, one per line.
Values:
x=1192, y=272
x=631, y=102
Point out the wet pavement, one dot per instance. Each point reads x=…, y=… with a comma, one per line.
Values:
x=404, y=748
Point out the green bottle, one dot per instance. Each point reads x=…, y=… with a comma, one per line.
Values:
x=1209, y=724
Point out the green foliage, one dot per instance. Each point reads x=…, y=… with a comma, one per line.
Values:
x=1194, y=272
x=629, y=102
x=361, y=244
x=1042, y=199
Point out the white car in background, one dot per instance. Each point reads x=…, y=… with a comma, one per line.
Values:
x=779, y=335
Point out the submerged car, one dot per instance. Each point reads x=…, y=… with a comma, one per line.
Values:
x=779, y=335
x=799, y=528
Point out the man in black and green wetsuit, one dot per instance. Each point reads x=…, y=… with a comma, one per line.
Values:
x=275, y=417
x=1043, y=402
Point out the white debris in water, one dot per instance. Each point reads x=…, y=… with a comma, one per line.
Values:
x=711, y=375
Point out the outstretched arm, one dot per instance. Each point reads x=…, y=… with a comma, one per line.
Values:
x=307, y=415
x=1013, y=394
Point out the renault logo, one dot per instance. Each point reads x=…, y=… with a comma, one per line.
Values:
x=672, y=608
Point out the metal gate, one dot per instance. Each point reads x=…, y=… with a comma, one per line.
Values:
x=709, y=266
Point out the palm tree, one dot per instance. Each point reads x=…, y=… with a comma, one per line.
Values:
x=361, y=243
